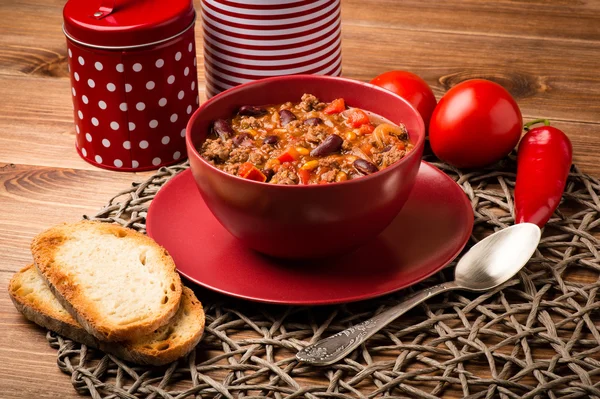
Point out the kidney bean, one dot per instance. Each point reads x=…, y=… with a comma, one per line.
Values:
x=271, y=140
x=386, y=149
x=222, y=128
x=251, y=110
x=365, y=167
x=286, y=116
x=328, y=146
x=268, y=173
x=313, y=121
x=243, y=140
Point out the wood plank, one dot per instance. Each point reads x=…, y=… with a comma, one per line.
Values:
x=547, y=20
x=40, y=129
x=546, y=78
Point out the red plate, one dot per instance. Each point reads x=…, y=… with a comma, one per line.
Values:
x=429, y=232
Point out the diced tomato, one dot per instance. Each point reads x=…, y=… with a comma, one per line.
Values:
x=401, y=146
x=335, y=107
x=245, y=169
x=367, y=128
x=289, y=155
x=357, y=117
x=251, y=172
x=323, y=182
x=304, y=176
x=256, y=175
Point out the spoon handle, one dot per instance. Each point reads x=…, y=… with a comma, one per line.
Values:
x=332, y=349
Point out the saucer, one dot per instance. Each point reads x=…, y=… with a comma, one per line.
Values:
x=429, y=232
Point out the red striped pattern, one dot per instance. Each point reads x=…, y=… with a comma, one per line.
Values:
x=245, y=40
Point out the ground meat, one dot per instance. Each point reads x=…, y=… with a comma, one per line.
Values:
x=315, y=134
x=216, y=150
x=329, y=176
x=240, y=154
x=250, y=122
x=231, y=168
x=285, y=176
x=257, y=157
x=384, y=159
x=329, y=162
x=267, y=149
x=311, y=103
x=347, y=145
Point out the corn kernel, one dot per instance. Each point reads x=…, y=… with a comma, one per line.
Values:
x=253, y=132
x=350, y=136
x=310, y=165
x=302, y=150
x=341, y=176
x=279, y=131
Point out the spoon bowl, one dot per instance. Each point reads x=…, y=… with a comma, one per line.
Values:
x=497, y=258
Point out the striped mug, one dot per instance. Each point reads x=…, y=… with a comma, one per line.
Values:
x=254, y=39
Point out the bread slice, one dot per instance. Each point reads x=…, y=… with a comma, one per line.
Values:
x=117, y=283
x=33, y=298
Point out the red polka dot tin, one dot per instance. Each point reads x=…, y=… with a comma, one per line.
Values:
x=133, y=80
x=250, y=40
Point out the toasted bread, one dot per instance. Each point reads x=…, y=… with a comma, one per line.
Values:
x=33, y=298
x=117, y=283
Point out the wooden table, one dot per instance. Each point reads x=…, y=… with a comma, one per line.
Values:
x=547, y=53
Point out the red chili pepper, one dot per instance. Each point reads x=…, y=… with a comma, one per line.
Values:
x=543, y=162
x=304, y=176
x=335, y=107
x=251, y=172
x=290, y=155
x=357, y=117
x=366, y=129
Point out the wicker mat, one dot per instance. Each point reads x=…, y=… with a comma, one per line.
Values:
x=537, y=336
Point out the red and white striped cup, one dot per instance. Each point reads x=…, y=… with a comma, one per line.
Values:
x=249, y=40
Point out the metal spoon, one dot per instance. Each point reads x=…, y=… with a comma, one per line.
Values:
x=486, y=265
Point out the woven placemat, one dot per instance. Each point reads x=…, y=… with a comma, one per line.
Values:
x=536, y=336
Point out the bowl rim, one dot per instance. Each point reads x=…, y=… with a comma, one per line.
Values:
x=194, y=152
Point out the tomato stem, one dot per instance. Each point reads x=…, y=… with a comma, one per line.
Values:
x=533, y=122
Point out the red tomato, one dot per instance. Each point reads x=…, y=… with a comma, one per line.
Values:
x=304, y=176
x=475, y=124
x=412, y=88
x=357, y=118
x=366, y=129
x=335, y=107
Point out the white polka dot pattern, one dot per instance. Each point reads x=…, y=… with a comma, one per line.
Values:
x=129, y=106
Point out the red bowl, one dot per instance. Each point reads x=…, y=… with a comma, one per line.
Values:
x=313, y=220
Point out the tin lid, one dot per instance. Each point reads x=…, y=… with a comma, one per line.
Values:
x=125, y=23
